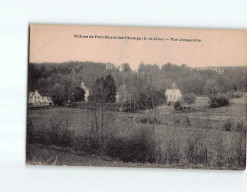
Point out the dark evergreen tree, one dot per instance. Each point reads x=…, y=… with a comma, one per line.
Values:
x=79, y=94
x=109, y=89
x=99, y=90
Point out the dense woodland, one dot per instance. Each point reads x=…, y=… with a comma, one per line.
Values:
x=143, y=88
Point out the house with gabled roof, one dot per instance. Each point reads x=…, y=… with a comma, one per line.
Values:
x=35, y=99
x=173, y=94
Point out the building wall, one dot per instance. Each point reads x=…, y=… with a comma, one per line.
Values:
x=173, y=96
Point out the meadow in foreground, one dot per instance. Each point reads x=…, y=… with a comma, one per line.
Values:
x=204, y=138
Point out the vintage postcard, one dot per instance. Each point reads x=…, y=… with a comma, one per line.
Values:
x=136, y=97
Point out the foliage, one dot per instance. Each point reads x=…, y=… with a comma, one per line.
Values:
x=149, y=99
x=149, y=119
x=177, y=105
x=228, y=125
x=196, y=152
x=79, y=94
x=45, y=76
x=58, y=96
x=219, y=100
x=126, y=67
x=240, y=126
x=234, y=94
x=211, y=88
x=138, y=148
x=104, y=90
x=169, y=103
x=110, y=89
x=189, y=98
x=165, y=142
x=99, y=90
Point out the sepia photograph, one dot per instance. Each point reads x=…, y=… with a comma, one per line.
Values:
x=111, y=96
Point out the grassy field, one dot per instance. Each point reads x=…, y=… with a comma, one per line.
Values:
x=205, y=138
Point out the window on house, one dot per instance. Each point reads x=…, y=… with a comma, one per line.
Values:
x=174, y=96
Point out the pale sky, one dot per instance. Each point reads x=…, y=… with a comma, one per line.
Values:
x=56, y=43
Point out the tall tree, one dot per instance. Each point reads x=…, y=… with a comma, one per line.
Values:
x=126, y=67
x=79, y=94
x=58, y=96
x=99, y=90
x=109, y=89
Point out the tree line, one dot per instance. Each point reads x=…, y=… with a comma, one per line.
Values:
x=142, y=89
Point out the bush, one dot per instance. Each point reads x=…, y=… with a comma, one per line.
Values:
x=219, y=100
x=238, y=95
x=230, y=126
x=58, y=95
x=187, y=122
x=240, y=126
x=138, y=148
x=189, y=98
x=176, y=121
x=177, y=105
x=149, y=119
x=235, y=94
x=237, y=157
x=172, y=153
x=65, y=138
x=195, y=152
x=169, y=103
x=227, y=126
x=147, y=99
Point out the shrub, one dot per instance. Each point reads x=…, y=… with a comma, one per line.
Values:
x=219, y=100
x=234, y=94
x=195, y=152
x=177, y=105
x=189, y=98
x=227, y=126
x=89, y=145
x=65, y=138
x=176, y=121
x=237, y=157
x=240, y=126
x=187, y=122
x=238, y=95
x=58, y=95
x=149, y=119
x=172, y=154
x=137, y=148
x=169, y=103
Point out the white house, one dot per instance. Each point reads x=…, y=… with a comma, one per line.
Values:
x=86, y=91
x=173, y=94
x=47, y=101
x=35, y=99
